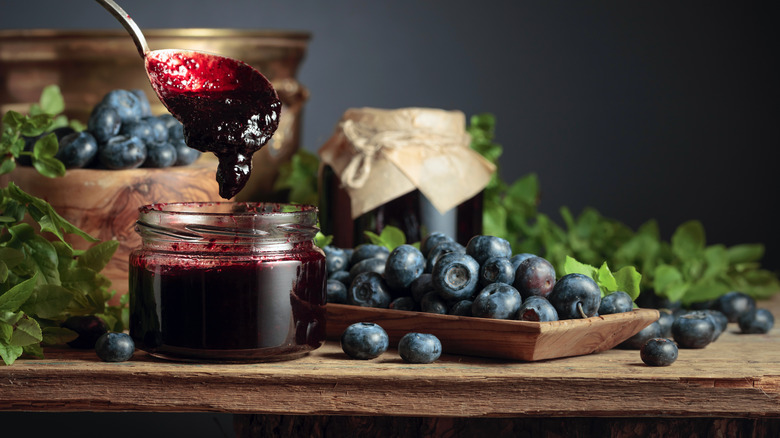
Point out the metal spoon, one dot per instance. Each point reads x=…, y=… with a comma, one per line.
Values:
x=129, y=25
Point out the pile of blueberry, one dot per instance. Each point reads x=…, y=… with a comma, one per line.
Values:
x=484, y=279
x=121, y=134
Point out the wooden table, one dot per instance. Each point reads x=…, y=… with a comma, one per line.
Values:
x=731, y=387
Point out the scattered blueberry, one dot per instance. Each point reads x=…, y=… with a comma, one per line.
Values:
x=734, y=303
x=616, y=302
x=535, y=276
x=455, y=276
x=756, y=321
x=665, y=320
x=368, y=289
x=694, y=330
x=720, y=320
x=496, y=300
x=637, y=341
x=336, y=292
x=482, y=247
x=364, y=340
x=659, y=352
x=496, y=270
x=77, y=149
x=122, y=152
x=574, y=295
x=538, y=309
x=404, y=264
x=419, y=348
x=115, y=347
x=88, y=328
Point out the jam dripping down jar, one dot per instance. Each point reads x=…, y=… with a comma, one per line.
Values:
x=227, y=282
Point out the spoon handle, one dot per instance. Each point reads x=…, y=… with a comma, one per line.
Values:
x=129, y=25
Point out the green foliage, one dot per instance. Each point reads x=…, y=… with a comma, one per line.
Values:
x=44, y=281
x=627, y=279
x=391, y=237
x=298, y=176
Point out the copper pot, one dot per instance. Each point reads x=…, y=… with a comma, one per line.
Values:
x=86, y=64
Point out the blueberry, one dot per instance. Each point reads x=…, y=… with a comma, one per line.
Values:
x=455, y=276
x=419, y=348
x=496, y=270
x=368, y=289
x=403, y=303
x=115, y=347
x=104, y=123
x=734, y=303
x=431, y=240
x=88, y=328
x=126, y=104
x=143, y=100
x=574, y=296
x=342, y=276
x=461, y=308
x=160, y=155
x=364, y=340
x=404, y=264
x=375, y=264
x=518, y=258
x=122, y=152
x=720, y=320
x=441, y=249
x=159, y=130
x=756, y=321
x=536, y=308
x=433, y=303
x=29, y=144
x=77, y=149
x=665, y=320
x=638, y=340
x=185, y=155
x=176, y=130
x=659, y=352
x=335, y=258
x=170, y=121
x=534, y=276
x=693, y=330
x=498, y=301
x=421, y=286
x=483, y=247
x=616, y=302
x=336, y=292
x=367, y=251
x=139, y=128
x=61, y=132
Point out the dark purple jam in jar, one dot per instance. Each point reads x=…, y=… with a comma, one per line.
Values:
x=227, y=282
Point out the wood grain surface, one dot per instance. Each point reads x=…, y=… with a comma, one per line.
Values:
x=738, y=376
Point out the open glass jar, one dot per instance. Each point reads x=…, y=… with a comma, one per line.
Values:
x=227, y=282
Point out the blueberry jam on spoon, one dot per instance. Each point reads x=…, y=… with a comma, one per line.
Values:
x=226, y=107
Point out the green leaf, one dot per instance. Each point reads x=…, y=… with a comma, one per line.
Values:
x=43, y=257
x=11, y=256
x=48, y=301
x=688, y=240
x=33, y=350
x=10, y=318
x=6, y=330
x=49, y=167
x=10, y=353
x=606, y=280
x=572, y=266
x=629, y=280
x=43, y=213
x=7, y=166
x=58, y=335
x=3, y=272
x=26, y=332
x=745, y=253
x=51, y=100
x=46, y=147
x=15, y=297
x=322, y=240
x=390, y=237
x=13, y=121
x=97, y=257
x=35, y=125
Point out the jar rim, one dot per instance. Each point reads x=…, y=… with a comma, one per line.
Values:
x=221, y=208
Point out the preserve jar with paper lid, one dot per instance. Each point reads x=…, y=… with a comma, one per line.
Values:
x=227, y=282
x=411, y=168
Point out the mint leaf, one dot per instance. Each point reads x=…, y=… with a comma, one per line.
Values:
x=26, y=332
x=688, y=240
x=58, y=335
x=33, y=350
x=47, y=301
x=572, y=266
x=629, y=281
x=9, y=353
x=322, y=240
x=35, y=125
x=745, y=253
x=606, y=280
x=97, y=257
x=6, y=330
x=13, y=121
x=15, y=297
x=46, y=147
x=7, y=166
x=51, y=101
x=49, y=167
x=390, y=237
x=43, y=213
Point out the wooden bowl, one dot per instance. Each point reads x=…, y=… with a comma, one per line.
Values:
x=105, y=203
x=502, y=339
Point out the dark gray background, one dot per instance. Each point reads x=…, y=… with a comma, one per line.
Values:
x=665, y=110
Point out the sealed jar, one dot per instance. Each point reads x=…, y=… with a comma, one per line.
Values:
x=227, y=282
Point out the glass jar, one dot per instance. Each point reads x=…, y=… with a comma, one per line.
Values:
x=227, y=282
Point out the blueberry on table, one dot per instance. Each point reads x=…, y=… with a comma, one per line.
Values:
x=574, y=295
x=368, y=251
x=482, y=247
x=77, y=149
x=88, y=328
x=126, y=104
x=115, y=347
x=433, y=303
x=659, y=352
x=535, y=276
x=403, y=303
x=498, y=301
x=734, y=303
x=537, y=309
x=335, y=292
x=719, y=319
x=104, y=123
x=694, y=330
x=665, y=320
x=364, y=340
x=455, y=276
x=404, y=264
x=756, y=321
x=419, y=348
x=616, y=302
x=496, y=270
x=160, y=155
x=638, y=340
x=185, y=155
x=122, y=152
x=335, y=258
x=368, y=289
x=445, y=247
x=431, y=240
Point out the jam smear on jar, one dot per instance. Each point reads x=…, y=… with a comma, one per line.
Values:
x=226, y=106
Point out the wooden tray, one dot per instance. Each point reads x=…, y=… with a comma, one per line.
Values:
x=516, y=340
